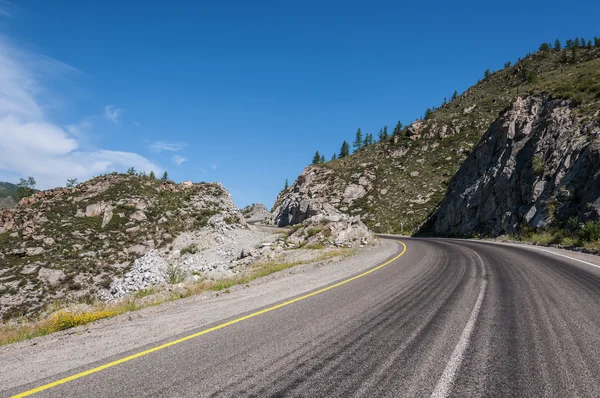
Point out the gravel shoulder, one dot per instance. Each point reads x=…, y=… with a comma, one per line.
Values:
x=48, y=356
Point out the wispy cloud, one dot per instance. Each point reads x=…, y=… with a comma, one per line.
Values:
x=4, y=5
x=178, y=160
x=113, y=113
x=79, y=129
x=30, y=144
x=213, y=166
x=159, y=146
x=136, y=123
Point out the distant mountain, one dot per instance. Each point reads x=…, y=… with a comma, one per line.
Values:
x=8, y=195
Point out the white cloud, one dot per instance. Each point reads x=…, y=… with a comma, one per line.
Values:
x=31, y=145
x=159, y=146
x=213, y=166
x=178, y=160
x=79, y=130
x=112, y=113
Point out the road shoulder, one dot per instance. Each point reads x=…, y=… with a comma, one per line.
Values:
x=46, y=356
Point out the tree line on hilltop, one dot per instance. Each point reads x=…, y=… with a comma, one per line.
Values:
x=529, y=76
x=26, y=186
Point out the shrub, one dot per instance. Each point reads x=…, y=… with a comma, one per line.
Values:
x=191, y=249
x=537, y=165
x=590, y=231
x=313, y=231
x=175, y=274
x=66, y=320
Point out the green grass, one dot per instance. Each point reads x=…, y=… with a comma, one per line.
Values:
x=586, y=235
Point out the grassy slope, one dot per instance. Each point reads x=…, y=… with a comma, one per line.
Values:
x=397, y=199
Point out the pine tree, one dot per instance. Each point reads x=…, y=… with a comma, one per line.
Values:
x=582, y=43
x=131, y=171
x=576, y=42
x=286, y=184
x=322, y=160
x=334, y=157
x=71, y=183
x=531, y=77
x=589, y=44
x=380, y=135
x=487, y=74
x=385, y=132
x=557, y=45
x=316, y=158
x=545, y=46
x=397, y=129
x=345, y=150
x=358, y=141
x=428, y=113
x=596, y=42
x=152, y=176
x=454, y=95
x=368, y=140
x=569, y=44
x=507, y=64
x=165, y=176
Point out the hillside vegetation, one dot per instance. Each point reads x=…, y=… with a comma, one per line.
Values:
x=395, y=184
x=68, y=245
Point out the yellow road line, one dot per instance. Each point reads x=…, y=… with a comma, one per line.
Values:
x=191, y=336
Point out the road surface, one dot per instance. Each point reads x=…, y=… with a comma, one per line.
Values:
x=445, y=318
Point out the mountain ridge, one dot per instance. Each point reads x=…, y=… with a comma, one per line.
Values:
x=396, y=184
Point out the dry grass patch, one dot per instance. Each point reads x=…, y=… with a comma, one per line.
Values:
x=18, y=331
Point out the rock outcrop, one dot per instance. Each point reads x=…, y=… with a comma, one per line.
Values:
x=537, y=165
x=310, y=204
x=257, y=213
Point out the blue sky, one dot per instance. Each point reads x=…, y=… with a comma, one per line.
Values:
x=239, y=92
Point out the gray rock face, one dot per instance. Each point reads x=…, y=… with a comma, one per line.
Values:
x=256, y=212
x=537, y=164
x=311, y=195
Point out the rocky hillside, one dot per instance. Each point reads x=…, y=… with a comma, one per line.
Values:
x=538, y=165
x=8, y=195
x=395, y=185
x=257, y=212
x=66, y=245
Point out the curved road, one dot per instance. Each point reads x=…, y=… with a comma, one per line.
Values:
x=447, y=318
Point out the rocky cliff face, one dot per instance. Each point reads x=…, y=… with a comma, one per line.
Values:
x=537, y=165
x=257, y=213
x=71, y=244
x=310, y=204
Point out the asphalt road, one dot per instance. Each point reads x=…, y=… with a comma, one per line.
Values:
x=447, y=318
